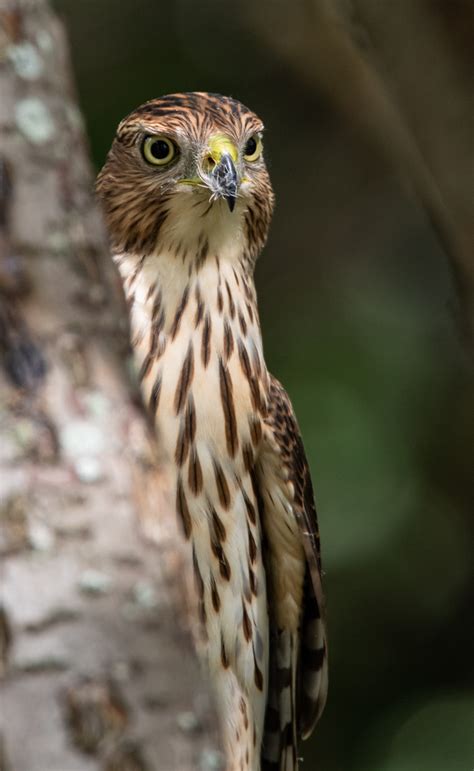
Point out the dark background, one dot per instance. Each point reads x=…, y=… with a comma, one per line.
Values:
x=360, y=322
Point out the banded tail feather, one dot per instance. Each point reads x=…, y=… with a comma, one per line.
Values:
x=313, y=665
x=280, y=742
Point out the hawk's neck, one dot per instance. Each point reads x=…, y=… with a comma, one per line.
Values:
x=193, y=297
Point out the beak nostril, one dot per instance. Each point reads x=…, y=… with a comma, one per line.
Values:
x=222, y=177
x=210, y=162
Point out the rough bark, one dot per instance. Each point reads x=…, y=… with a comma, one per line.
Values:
x=96, y=666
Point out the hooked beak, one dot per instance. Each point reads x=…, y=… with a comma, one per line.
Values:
x=219, y=170
x=226, y=180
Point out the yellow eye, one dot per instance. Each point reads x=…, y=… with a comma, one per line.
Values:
x=253, y=148
x=159, y=150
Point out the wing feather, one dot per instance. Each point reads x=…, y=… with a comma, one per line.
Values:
x=284, y=438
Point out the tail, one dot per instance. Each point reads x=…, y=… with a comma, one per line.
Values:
x=298, y=680
x=313, y=664
x=280, y=739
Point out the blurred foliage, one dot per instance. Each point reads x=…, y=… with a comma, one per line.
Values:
x=358, y=314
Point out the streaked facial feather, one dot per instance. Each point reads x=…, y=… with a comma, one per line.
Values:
x=144, y=204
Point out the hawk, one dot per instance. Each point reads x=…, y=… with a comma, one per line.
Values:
x=188, y=203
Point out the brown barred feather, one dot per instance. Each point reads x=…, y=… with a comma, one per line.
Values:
x=185, y=379
x=216, y=600
x=224, y=656
x=247, y=627
x=195, y=477
x=155, y=395
x=228, y=341
x=220, y=532
x=179, y=313
x=206, y=340
x=199, y=307
x=252, y=545
x=222, y=486
x=183, y=510
x=228, y=408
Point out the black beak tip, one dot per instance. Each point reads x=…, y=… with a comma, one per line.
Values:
x=226, y=181
x=230, y=202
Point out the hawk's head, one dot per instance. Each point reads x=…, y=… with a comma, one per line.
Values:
x=187, y=169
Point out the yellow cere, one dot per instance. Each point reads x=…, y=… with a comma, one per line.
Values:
x=193, y=181
x=220, y=145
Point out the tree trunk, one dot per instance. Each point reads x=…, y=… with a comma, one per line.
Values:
x=96, y=672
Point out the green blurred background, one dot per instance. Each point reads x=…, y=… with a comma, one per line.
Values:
x=359, y=318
